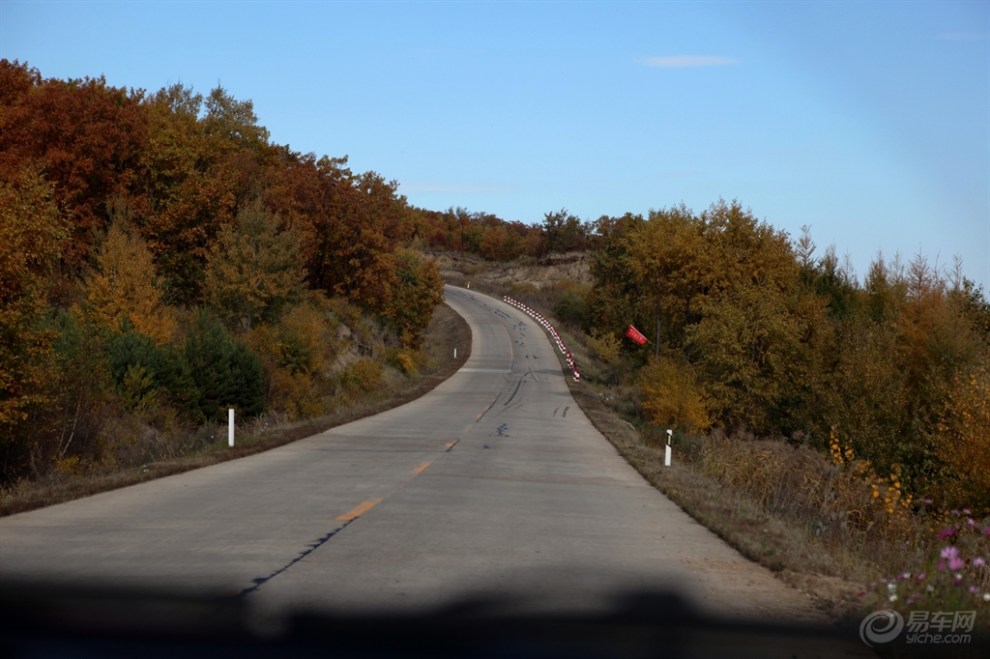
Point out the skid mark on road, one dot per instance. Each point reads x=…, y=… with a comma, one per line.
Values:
x=490, y=406
x=347, y=518
x=514, y=391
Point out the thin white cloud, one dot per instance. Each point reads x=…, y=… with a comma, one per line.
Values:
x=687, y=61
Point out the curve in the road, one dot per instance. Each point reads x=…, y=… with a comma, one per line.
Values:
x=494, y=484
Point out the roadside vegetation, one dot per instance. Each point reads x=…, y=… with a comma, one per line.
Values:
x=162, y=261
x=832, y=430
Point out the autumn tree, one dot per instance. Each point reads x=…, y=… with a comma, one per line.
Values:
x=233, y=122
x=563, y=232
x=720, y=288
x=16, y=81
x=963, y=443
x=347, y=250
x=417, y=294
x=670, y=266
x=33, y=235
x=298, y=354
x=123, y=287
x=84, y=136
x=497, y=244
x=254, y=270
x=672, y=396
x=612, y=300
x=745, y=346
x=185, y=203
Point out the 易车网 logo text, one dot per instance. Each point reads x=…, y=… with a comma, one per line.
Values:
x=921, y=628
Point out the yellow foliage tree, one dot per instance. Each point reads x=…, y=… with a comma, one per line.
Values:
x=255, y=271
x=32, y=238
x=671, y=395
x=298, y=354
x=963, y=443
x=123, y=288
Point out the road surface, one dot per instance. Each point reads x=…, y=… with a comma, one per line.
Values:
x=493, y=484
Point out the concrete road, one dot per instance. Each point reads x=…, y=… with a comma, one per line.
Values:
x=493, y=484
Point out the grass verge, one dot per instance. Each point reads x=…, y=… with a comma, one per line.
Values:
x=833, y=579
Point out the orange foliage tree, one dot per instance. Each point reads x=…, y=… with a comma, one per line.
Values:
x=33, y=235
x=83, y=135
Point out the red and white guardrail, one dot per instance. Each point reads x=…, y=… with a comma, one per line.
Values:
x=548, y=326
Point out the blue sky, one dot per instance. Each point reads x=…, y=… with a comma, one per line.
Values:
x=868, y=121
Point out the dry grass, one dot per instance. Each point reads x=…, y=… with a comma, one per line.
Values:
x=446, y=331
x=833, y=577
x=835, y=531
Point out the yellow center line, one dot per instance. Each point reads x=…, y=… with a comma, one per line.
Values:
x=359, y=510
x=451, y=444
x=423, y=467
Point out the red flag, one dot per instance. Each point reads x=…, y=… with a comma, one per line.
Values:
x=636, y=335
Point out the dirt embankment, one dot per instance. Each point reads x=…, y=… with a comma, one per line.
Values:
x=548, y=272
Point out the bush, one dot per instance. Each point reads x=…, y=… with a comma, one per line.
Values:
x=402, y=359
x=671, y=395
x=225, y=371
x=141, y=370
x=362, y=377
x=571, y=306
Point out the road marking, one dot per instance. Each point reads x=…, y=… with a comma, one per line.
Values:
x=451, y=444
x=359, y=510
x=485, y=411
x=423, y=467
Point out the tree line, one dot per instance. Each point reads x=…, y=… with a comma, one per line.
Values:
x=758, y=334
x=162, y=259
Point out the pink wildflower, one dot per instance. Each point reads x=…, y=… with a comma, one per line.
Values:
x=945, y=534
x=979, y=561
x=952, y=555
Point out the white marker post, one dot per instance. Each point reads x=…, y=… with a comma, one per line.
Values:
x=666, y=452
x=230, y=427
x=455, y=353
